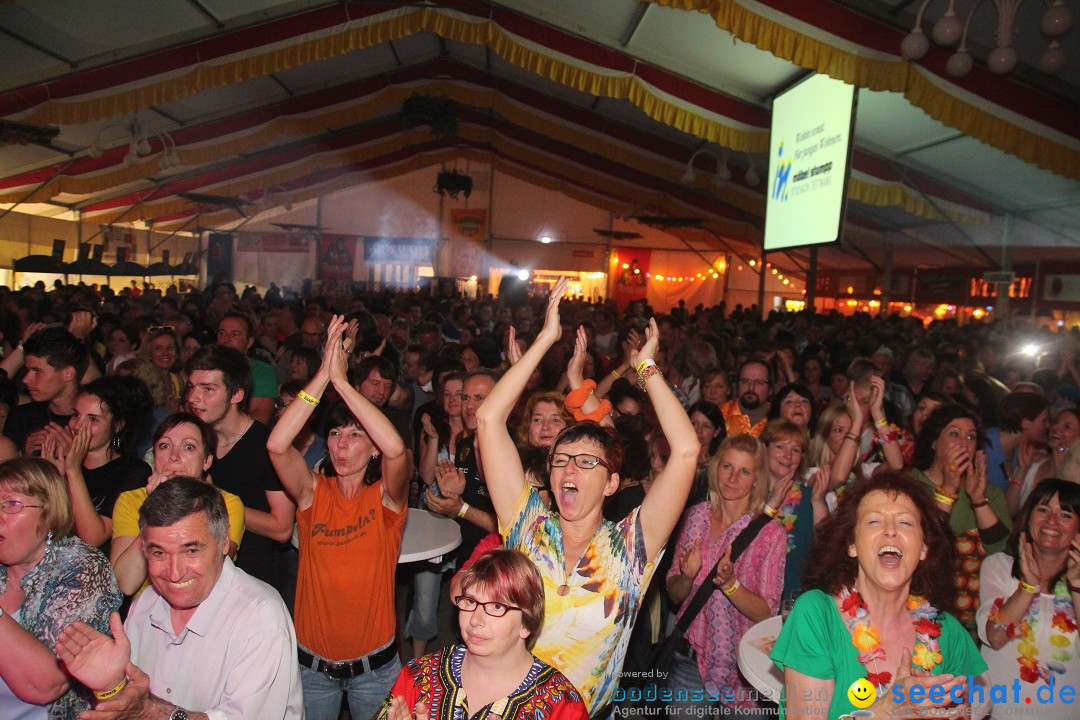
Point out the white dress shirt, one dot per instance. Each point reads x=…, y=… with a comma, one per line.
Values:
x=235, y=659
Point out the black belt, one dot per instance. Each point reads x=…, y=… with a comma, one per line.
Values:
x=603, y=713
x=685, y=649
x=347, y=669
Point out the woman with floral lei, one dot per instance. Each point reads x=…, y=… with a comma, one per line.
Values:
x=875, y=582
x=796, y=503
x=1027, y=610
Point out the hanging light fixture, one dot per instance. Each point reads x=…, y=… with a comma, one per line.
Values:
x=950, y=31
x=723, y=174
x=267, y=200
x=452, y=183
x=137, y=136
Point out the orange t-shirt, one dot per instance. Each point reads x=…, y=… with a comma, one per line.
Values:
x=349, y=549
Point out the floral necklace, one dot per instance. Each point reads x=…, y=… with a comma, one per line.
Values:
x=867, y=639
x=786, y=515
x=1062, y=625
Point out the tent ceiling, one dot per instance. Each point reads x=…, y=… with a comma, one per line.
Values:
x=269, y=101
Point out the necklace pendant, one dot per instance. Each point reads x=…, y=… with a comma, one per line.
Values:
x=563, y=590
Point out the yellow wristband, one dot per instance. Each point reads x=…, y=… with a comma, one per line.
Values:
x=731, y=590
x=770, y=511
x=882, y=422
x=111, y=693
x=615, y=374
x=944, y=499
x=310, y=400
x=464, y=509
x=1028, y=588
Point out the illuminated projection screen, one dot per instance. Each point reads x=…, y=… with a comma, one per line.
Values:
x=809, y=158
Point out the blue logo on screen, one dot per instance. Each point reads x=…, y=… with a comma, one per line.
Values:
x=783, y=173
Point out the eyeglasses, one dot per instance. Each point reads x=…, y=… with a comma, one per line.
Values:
x=14, y=507
x=582, y=460
x=493, y=608
x=746, y=382
x=154, y=329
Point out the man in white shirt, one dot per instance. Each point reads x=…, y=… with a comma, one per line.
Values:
x=206, y=641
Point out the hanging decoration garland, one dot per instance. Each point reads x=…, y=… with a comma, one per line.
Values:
x=1062, y=626
x=867, y=639
x=786, y=515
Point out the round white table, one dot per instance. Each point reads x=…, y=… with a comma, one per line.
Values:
x=754, y=662
x=428, y=536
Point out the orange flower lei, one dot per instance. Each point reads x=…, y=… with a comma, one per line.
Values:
x=867, y=639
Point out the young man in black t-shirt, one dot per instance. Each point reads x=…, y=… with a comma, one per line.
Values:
x=219, y=382
x=55, y=360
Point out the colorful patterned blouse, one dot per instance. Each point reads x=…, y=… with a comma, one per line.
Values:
x=716, y=631
x=435, y=680
x=72, y=582
x=586, y=631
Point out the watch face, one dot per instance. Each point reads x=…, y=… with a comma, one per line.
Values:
x=179, y=714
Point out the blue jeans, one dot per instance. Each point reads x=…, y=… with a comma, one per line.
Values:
x=366, y=693
x=423, y=622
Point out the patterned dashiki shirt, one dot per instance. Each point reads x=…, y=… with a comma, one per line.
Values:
x=435, y=680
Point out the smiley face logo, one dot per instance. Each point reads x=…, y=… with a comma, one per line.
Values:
x=861, y=693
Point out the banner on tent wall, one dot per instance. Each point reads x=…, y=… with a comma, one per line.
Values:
x=336, y=256
x=466, y=245
x=469, y=223
x=119, y=237
x=416, y=251
x=219, y=264
x=273, y=242
x=629, y=275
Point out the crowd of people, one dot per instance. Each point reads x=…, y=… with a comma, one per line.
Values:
x=203, y=497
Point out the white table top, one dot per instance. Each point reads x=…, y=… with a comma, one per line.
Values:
x=755, y=665
x=427, y=536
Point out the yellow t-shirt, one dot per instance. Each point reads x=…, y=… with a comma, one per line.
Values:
x=125, y=516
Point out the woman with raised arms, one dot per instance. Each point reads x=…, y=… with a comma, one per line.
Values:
x=595, y=572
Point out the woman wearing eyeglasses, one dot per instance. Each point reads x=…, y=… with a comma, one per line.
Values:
x=501, y=599
x=595, y=572
x=48, y=580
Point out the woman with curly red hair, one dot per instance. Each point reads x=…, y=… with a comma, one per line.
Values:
x=879, y=572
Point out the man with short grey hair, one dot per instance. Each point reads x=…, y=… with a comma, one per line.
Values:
x=206, y=640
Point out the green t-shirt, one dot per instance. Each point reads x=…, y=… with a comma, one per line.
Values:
x=263, y=380
x=815, y=642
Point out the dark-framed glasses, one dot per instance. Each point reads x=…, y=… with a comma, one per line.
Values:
x=492, y=607
x=14, y=507
x=585, y=461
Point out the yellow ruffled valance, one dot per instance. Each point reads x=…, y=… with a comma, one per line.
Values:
x=396, y=25
x=890, y=75
x=522, y=161
x=476, y=97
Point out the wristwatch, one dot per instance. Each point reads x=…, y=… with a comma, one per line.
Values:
x=179, y=714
